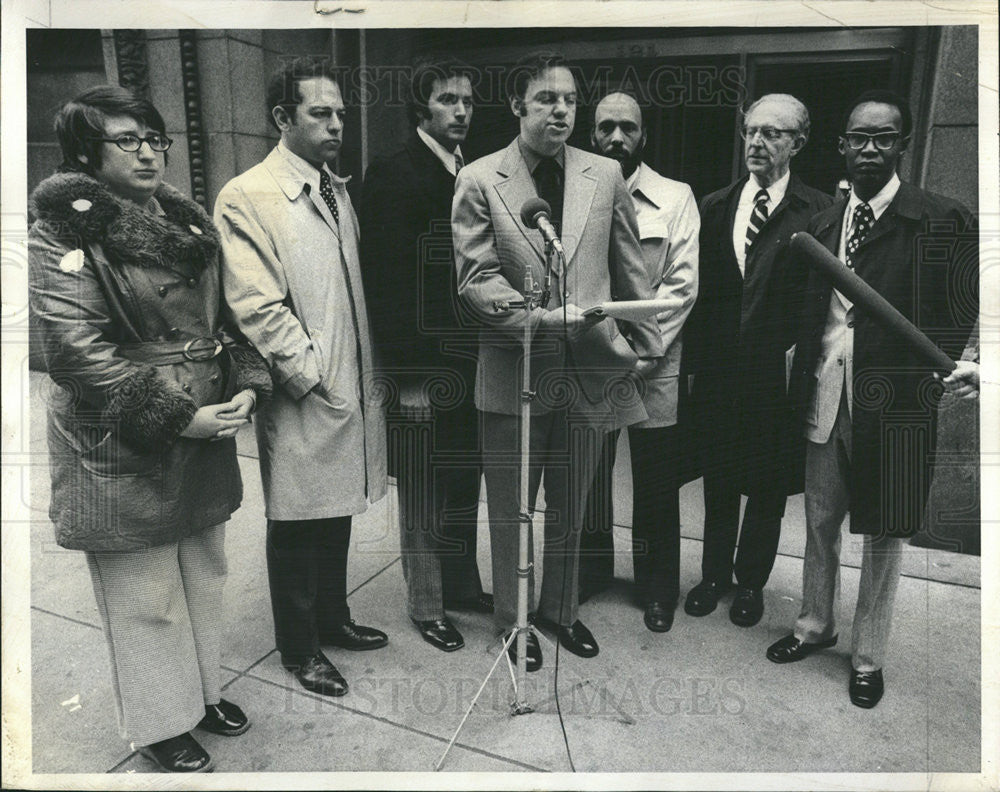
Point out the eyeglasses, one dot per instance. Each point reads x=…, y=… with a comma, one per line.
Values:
x=132, y=143
x=770, y=134
x=883, y=140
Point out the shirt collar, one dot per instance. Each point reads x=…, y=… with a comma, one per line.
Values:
x=308, y=172
x=775, y=192
x=879, y=202
x=447, y=157
x=638, y=183
x=532, y=157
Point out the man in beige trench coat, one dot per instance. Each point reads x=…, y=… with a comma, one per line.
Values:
x=292, y=281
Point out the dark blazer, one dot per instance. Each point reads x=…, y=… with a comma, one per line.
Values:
x=421, y=335
x=922, y=255
x=408, y=265
x=736, y=337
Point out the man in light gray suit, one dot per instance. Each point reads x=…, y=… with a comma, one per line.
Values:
x=582, y=368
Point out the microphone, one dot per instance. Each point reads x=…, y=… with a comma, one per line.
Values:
x=536, y=213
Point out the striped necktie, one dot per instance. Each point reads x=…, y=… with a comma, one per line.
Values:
x=459, y=163
x=864, y=219
x=757, y=218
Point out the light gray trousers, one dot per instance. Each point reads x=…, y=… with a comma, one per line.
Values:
x=161, y=609
x=828, y=467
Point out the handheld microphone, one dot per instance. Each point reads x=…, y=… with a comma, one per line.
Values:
x=536, y=213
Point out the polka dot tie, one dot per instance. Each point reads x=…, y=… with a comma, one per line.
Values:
x=864, y=219
x=326, y=190
x=757, y=218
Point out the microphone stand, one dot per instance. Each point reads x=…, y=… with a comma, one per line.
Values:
x=533, y=298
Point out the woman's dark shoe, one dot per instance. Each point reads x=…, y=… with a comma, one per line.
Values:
x=181, y=754
x=224, y=718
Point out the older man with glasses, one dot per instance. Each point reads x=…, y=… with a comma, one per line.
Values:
x=735, y=348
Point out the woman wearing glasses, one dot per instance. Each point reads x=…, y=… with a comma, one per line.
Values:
x=124, y=281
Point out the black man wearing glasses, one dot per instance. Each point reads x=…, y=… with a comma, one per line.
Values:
x=736, y=343
x=868, y=403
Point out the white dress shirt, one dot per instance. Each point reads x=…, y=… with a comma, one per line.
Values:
x=744, y=209
x=447, y=157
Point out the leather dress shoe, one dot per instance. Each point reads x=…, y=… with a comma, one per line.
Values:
x=355, y=637
x=481, y=603
x=318, y=675
x=576, y=638
x=224, y=718
x=747, y=607
x=790, y=649
x=441, y=634
x=702, y=599
x=866, y=688
x=659, y=617
x=181, y=754
x=533, y=653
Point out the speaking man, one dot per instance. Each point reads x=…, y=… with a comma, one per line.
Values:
x=581, y=367
x=423, y=349
x=869, y=404
x=735, y=344
x=292, y=281
x=668, y=231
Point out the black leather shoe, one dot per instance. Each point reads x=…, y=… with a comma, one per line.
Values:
x=702, y=599
x=747, y=607
x=441, y=634
x=866, y=688
x=533, y=654
x=224, y=718
x=355, y=637
x=576, y=638
x=318, y=674
x=659, y=617
x=790, y=649
x=181, y=754
x=481, y=603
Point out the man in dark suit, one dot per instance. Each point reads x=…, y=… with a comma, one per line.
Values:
x=582, y=368
x=735, y=344
x=424, y=353
x=869, y=404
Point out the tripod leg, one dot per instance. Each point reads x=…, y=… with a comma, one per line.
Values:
x=472, y=704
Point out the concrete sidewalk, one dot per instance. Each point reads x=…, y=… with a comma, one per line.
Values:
x=700, y=698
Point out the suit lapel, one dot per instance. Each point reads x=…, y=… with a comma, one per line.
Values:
x=578, y=194
x=514, y=189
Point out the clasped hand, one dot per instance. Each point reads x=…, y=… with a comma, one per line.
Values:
x=218, y=421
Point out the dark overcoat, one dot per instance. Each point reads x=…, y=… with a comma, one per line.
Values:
x=117, y=292
x=922, y=255
x=421, y=334
x=736, y=338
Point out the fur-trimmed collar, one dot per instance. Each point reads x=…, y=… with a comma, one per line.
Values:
x=76, y=204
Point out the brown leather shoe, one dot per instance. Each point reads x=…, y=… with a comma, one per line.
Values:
x=180, y=754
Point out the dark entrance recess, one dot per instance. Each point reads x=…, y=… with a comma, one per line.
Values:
x=826, y=83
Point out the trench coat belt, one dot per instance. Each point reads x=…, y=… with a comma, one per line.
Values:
x=168, y=353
